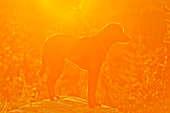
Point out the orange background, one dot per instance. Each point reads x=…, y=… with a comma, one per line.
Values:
x=135, y=77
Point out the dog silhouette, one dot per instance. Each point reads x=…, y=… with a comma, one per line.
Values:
x=87, y=52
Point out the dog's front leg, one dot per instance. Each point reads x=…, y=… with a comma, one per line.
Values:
x=92, y=85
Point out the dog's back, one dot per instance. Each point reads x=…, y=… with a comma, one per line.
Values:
x=80, y=51
x=59, y=44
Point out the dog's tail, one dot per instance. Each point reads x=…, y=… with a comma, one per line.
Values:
x=43, y=67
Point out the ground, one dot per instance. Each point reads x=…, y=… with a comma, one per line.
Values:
x=64, y=105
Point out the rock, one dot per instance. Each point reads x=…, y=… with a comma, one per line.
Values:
x=64, y=105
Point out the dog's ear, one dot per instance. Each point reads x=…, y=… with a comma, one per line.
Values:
x=124, y=38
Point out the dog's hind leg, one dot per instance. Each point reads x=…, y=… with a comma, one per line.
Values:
x=55, y=69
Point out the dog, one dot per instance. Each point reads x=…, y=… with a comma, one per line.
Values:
x=86, y=52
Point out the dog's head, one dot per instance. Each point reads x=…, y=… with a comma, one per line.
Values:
x=115, y=33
